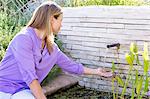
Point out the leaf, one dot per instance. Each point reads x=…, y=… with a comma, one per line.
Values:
x=146, y=65
x=120, y=81
x=132, y=56
x=146, y=58
x=139, y=85
x=128, y=59
x=145, y=53
x=133, y=93
x=137, y=60
x=146, y=84
x=136, y=77
x=148, y=78
x=113, y=67
x=133, y=48
x=113, y=88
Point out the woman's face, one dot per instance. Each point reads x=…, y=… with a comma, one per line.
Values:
x=56, y=24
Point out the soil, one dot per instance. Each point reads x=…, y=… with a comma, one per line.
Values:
x=78, y=92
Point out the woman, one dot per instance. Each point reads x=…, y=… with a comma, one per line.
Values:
x=32, y=53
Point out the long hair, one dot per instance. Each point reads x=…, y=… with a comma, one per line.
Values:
x=41, y=20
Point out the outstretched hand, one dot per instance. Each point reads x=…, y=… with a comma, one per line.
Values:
x=104, y=73
x=99, y=71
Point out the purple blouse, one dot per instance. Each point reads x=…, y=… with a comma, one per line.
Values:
x=20, y=65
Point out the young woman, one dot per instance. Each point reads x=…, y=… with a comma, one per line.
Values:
x=32, y=53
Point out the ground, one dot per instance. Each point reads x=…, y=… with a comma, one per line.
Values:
x=78, y=92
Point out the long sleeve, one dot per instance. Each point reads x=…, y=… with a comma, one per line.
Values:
x=68, y=65
x=23, y=54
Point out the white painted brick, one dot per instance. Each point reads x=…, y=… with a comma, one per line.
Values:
x=92, y=53
x=87, y=31
x=84, y=56
x=115, y=26
x=68, y=28
x=88, y=85
x=83, y=38
x=129, y=32
x=104, y=88
x=89, y=62
x=108, y=11
x=72, y=42
x=81, y=83
x=138, y=27
x=107, y=40
x=94, y=44
x=85, y=79
x=84, y=48
x=107, y=20
x=97, y=20
x=94, y=25
x=68, y=46
x=94, y=85
x=132, y=21
x=103, y=82
x=69, y=20
x=64, y=32
x=120, y=36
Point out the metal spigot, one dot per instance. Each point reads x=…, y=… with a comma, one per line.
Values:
x=114, y=45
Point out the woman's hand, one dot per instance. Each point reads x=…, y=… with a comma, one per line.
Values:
x=98, y=71
x=36, y=89
x=104, y=73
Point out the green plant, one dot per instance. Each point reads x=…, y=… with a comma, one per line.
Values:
x=74, y=3
x=139, y=81
x=52, y=74
x=59, y=43
x=8, y=28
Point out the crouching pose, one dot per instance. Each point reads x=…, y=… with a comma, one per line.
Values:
x=32, y=53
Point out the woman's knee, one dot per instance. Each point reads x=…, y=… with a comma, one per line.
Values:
x=5, y=95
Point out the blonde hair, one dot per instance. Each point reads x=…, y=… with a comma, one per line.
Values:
x=41, y=20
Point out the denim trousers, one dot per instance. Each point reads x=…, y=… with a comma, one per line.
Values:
x=24, y=94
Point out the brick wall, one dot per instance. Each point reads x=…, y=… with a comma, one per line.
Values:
x=86, y=32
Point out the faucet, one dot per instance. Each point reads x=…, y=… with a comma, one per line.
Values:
x=114, y=45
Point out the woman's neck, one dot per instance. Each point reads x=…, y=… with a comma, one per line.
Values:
x=40, y=33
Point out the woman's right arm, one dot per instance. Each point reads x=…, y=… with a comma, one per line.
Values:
x=23, y=53
x=37, y=90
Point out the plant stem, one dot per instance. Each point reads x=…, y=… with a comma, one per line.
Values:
x=126, y=82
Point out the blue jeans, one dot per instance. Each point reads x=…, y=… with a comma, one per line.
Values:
x=24, y=94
